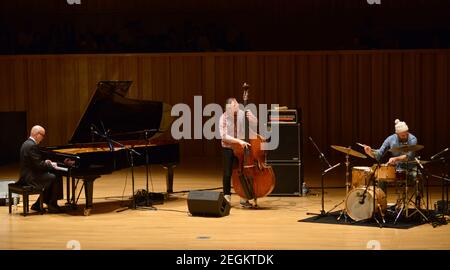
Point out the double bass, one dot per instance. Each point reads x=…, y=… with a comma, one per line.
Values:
x=252, y=178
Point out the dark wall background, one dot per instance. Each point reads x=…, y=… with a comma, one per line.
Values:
x=346, y=96
x=352, y=67
x=14, y=133
x=53, y=26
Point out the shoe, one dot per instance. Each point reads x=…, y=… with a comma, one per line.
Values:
x=36, y=207
x=54, y=209
x=228, y=198
x=245, y=203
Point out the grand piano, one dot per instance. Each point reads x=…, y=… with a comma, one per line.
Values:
x=115, y=133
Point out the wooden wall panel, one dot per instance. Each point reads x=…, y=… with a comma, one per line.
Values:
x=346, y=96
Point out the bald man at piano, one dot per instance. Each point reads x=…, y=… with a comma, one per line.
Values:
x=39, y=173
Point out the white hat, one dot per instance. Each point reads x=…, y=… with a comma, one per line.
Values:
x=400, y=126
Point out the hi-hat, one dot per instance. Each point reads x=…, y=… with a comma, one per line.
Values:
x=348, y=151
x=406, y=148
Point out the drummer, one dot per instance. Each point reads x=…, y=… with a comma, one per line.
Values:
x=400, y=138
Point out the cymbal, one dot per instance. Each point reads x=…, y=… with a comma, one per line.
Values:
x=348, y=151
x=423, y=162
x=406, y=148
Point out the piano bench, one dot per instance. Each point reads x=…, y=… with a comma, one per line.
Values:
x=25, y=191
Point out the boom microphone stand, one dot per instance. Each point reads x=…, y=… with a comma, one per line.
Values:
x=326, y=167
x=131, y=152
x=374, y=201
x=445, y=179
x=374, y=186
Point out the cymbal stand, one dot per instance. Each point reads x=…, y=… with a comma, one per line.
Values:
x=416, y=205
x=347, y=187
x=406, y=201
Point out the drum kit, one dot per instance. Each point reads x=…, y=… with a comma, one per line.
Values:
x=364, y=199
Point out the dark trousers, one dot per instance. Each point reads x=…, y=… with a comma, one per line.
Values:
x=52, y=185
x=228, y=161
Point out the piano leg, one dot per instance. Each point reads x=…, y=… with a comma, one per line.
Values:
x=68, y=189
x=89, y=191
x=169, y=177
x=74, y=187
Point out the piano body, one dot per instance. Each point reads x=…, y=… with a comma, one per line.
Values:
x=110, y=126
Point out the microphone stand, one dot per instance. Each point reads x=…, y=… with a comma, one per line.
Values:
x=147, y=139
x=444, y=186
x=148, y=204
x=442, y=219
x=374, y=201
x=146, y=170
x=444, y=182
x=131, y=152
x=374, y=186
x=326, y=167
x=426, y=174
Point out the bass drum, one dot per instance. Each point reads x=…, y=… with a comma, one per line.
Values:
x=359, y=209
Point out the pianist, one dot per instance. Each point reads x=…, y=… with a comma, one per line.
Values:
x=36, y=172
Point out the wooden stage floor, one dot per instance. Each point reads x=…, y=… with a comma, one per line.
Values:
x=274, y=226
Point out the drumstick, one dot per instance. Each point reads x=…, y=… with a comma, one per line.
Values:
x=364, y=146
x=360, y=144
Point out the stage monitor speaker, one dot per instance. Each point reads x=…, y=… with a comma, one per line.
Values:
x=289, y=146
x=289, y=179
x=208, y=204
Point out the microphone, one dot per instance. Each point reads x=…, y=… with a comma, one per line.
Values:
x=92, y=133
x=439, y=154
x=363, y=197
x=418, y=162
x=332, y=167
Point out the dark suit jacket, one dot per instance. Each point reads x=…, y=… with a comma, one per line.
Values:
x=32, y=165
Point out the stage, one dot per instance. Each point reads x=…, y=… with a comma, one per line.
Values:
x=169, y=226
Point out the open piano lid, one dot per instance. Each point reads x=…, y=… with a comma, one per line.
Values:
x=123, y=118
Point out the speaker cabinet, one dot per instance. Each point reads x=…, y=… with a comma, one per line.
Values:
x=208, y=204
x=289, y=179
x=289, y=146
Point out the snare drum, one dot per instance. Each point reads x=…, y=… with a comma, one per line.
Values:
x=386, y=173
x=361, y=176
